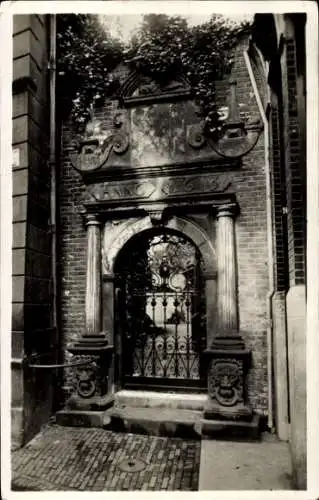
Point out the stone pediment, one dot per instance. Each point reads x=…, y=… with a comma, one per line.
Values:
x=139, y=89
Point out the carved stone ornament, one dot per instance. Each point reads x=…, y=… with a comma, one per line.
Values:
x=156, y=217
x=86, y=380
x=225, y=381
x=158, y=189
x=198, y=184
x=121, y=190
x=120, y=143
x=223, y=112
x=95, y=148
x=105, y=262
x=195, y=136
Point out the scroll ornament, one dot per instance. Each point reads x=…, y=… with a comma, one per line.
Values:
x=96, y=147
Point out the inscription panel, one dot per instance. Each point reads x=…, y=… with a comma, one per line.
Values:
x=158, y=189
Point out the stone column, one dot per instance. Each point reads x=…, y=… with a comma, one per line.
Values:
x=92, y=352
x=227, y=306
x=93, y=277
x=227, y=314
x=227, y=359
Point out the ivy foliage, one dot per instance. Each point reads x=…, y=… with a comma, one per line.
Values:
x=86, y=56
x=161, y=47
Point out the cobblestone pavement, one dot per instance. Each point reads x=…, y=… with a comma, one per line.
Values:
x=72, y=458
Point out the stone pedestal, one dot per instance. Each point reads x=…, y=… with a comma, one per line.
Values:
x=91, y=378
x=227, y=360
x=226, y=374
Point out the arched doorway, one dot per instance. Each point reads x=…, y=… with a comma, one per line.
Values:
x=160, y=317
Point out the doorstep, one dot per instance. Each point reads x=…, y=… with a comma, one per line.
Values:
x=166, y=422
x=187, y=424
x=153, y=399
x=161, y=414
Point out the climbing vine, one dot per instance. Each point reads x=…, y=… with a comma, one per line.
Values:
x=86, y=56
x=161, y=47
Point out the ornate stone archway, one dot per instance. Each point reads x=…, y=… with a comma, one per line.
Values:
x=117, y=234
x=105, y=245
x=227, y=360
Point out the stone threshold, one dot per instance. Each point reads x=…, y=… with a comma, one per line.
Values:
x=153, y=399
x=161, y=414
x=176, y=422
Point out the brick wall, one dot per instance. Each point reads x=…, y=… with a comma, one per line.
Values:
x=249, y=185
x=295, y=168
x=73, y=248
x=279, y=197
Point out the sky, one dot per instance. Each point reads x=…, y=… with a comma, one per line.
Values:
x=122, y=26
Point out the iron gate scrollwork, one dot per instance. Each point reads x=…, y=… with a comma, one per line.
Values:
x=161, y=310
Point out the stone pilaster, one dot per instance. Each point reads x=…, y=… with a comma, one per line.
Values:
x=93, y=277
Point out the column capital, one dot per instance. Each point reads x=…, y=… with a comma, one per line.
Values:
x=227, y=210
x=91, y=219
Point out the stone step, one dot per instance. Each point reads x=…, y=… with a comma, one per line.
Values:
x=78, y=418
x=153, y=399
x=231, y=430
x=156, y=421
x=172, y=422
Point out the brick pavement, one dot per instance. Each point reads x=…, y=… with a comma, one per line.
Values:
x=73, y=458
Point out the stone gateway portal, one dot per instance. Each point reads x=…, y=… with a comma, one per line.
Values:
x=160, y=311
x=159, y=232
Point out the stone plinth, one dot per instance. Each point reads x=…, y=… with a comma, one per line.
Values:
x=92, y=387
x=226, y=377
x=227, y=414
x=92, y=394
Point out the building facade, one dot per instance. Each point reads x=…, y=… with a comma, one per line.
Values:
x=284, y=60
x=181, y=260
x=32, y=322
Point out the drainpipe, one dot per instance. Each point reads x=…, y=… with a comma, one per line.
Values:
x=52, y=161
x=270, y=245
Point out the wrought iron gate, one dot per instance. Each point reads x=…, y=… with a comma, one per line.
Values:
x=161, y=311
